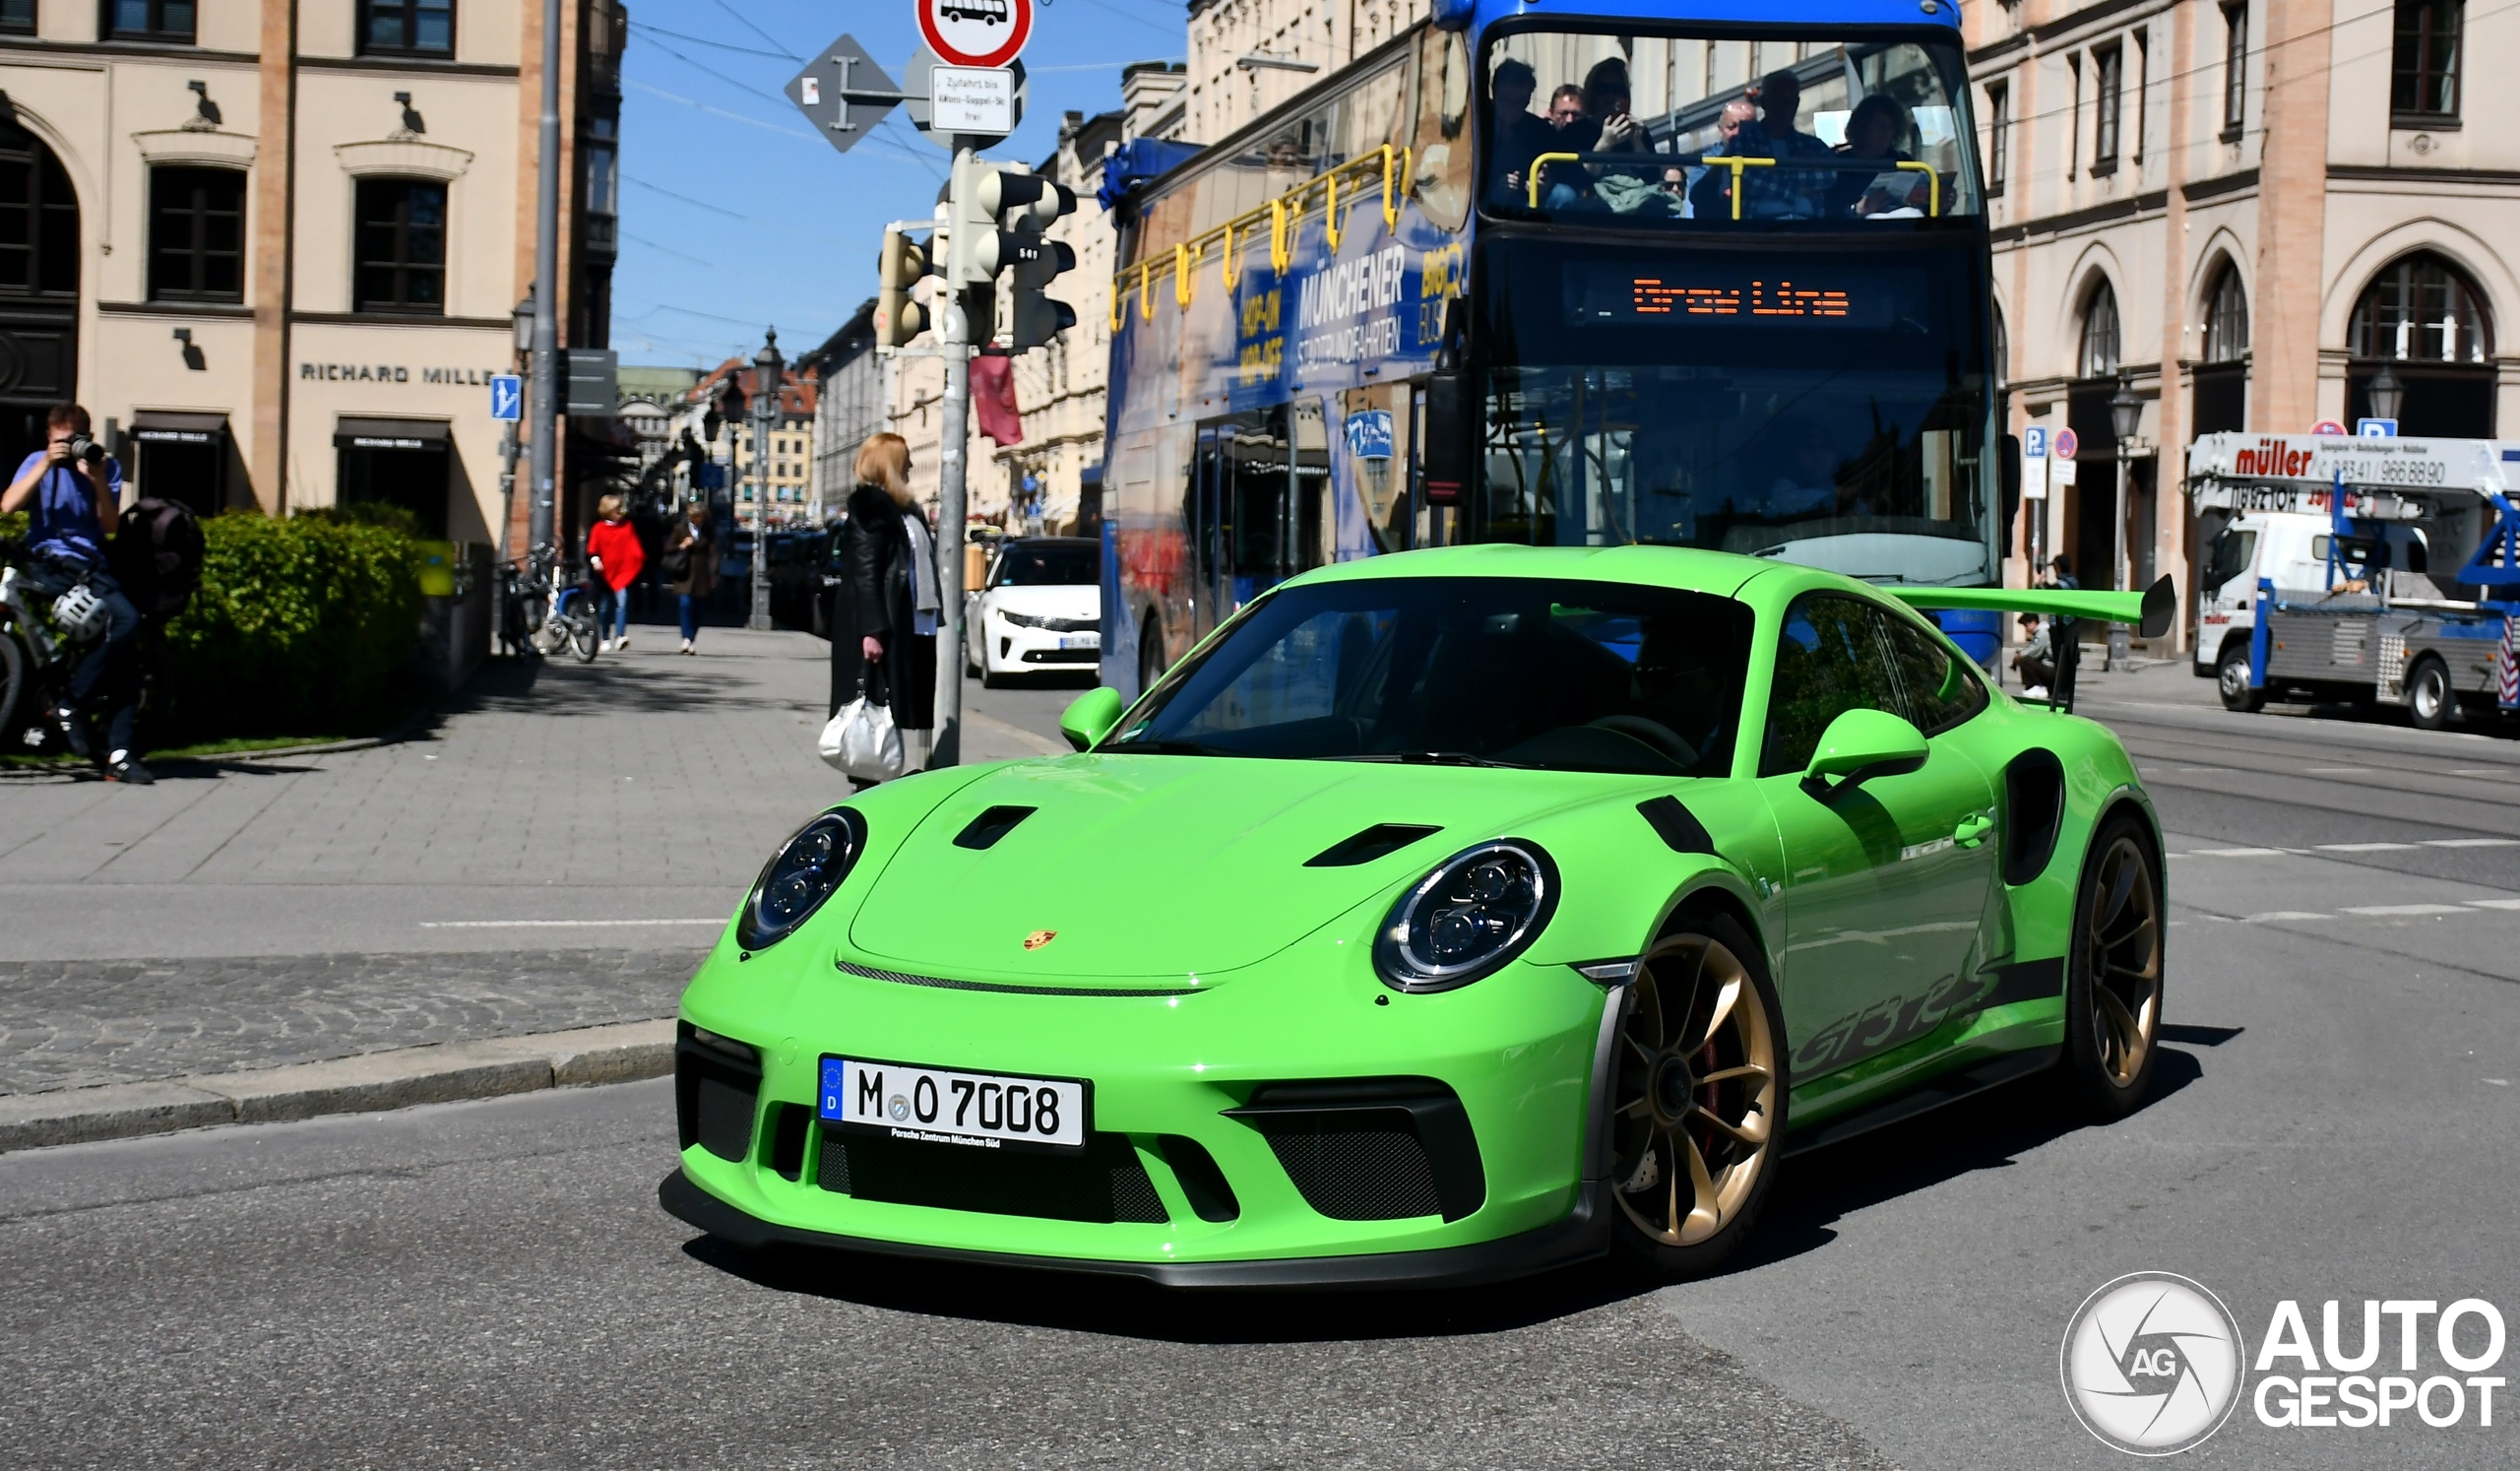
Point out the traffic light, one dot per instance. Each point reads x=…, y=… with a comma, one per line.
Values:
x=897, y=318
x=998, y=219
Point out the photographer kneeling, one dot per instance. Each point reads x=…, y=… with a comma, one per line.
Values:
x=72, y=490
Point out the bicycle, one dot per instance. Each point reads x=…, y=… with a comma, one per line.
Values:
x=37, y=660
x=571, y=619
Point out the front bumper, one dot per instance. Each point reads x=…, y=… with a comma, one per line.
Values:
x=1012, y=646
x=1582, y=1236
x=1462, y=1154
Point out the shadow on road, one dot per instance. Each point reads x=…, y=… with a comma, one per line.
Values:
x=608, y=686
x=1127, y=1309
x=1985, y=1131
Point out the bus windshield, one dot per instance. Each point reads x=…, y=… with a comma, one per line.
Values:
x=1672, y=131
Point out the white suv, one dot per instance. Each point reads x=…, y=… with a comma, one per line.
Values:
x=1042, y=611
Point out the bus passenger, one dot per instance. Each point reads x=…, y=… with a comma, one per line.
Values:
x=1781, y=193
x=1519, y=134
x=1708, y=189
x=1571, y=132
x=1875, y=130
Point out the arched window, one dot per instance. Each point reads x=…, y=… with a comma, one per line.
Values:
x=2099, y=357
x=2425, y=320
x=2226, y=317
x=2421, y=309
x=38, y=287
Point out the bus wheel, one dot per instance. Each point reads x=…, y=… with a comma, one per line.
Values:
x=2231, y=676
x=2428, y=700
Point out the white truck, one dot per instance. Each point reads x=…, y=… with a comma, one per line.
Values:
x=2360, y=571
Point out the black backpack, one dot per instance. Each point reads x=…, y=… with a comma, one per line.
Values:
x=157, y=555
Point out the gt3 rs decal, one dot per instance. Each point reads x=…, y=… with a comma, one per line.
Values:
x=1887, y=1023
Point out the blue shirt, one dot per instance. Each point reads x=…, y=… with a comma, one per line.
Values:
x=63, y=522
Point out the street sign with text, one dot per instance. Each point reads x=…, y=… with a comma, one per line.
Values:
x=843, y=93
x=972, y=100
x=976, y=33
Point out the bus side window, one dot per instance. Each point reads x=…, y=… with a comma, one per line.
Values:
x=1441, y=140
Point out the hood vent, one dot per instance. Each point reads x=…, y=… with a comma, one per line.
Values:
x=1677, y=825
x=1379, y=841
x=991, y=825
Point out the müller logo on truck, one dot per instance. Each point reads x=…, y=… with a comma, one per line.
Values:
x=2272, y=457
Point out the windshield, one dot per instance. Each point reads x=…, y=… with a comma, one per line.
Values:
x=1667, y=131
x=1525, y=671
x=2231, y=557
x=1025, y=565
x=1778, y=400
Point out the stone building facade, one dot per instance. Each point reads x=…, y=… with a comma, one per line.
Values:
x=2243, y=209
x=277, y=243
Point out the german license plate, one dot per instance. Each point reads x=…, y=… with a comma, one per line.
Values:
x=940, y=1105
x=1080, y=640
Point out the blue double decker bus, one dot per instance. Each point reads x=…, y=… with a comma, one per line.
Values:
x=1585, y=274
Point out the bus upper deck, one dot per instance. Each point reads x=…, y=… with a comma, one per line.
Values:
x=1566, y=280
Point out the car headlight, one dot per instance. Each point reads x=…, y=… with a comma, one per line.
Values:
x=807, y=868
x=1020, y=620
x=1465, y=919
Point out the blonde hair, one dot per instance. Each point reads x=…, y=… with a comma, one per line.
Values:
x=884, y=460
x=609, y=506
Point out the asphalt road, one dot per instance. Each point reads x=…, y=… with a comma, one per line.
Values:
x=491, y=1283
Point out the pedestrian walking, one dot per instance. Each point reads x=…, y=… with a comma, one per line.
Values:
x=885, y=615
x=691, y=562
x=614, y=554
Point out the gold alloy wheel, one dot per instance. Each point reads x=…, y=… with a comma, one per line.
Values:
x=1696, y=1097
x=2124, y=960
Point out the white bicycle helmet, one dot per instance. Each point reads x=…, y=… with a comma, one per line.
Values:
x=78, y=612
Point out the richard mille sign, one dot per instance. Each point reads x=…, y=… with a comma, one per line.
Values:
x=395, y=372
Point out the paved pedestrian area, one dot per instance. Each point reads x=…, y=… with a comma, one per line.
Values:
x=555, y=849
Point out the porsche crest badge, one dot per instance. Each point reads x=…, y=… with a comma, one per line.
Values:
x=1040, y=937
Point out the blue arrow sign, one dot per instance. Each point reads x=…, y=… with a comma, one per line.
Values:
x=507, y=395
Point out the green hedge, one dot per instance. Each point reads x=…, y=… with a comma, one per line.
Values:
x=299, y=628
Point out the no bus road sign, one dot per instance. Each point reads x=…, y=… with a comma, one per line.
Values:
x=976, y=33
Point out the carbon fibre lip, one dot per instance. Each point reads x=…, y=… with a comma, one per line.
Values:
x=941, y=983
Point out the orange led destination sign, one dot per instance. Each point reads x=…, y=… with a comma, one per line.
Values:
x=1656, y=298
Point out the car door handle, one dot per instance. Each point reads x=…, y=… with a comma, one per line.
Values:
x=1973, y=829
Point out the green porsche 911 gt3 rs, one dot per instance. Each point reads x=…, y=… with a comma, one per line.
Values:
x=1443, y=916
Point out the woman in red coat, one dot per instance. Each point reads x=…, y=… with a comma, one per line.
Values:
x=614, y=554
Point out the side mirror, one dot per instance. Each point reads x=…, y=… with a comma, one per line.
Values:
x=1861, y=744
x=2160, y=605
x=1090, y=716
x=1451, y=433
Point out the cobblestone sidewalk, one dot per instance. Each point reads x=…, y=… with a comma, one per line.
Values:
x=71, y=1024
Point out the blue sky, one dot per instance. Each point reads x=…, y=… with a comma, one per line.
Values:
x=735, y=216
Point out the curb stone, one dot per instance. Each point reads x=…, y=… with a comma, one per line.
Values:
x=401, y=1078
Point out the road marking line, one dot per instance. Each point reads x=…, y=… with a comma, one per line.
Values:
x=552, y=924
x=2491, y=771
x=2287, y=914
x=2403, y=909
x=2230, y=852
x=2363, y=847
x=2494, y=904
x=2336, y=770
x=2472, y=841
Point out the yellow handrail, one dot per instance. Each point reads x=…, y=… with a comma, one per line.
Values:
x=1390, y=206
x=1737, y=166
x=1184, y=278
x=1541, y=162
x=1146, y=302
x=1226, y=265
x=1933, y=185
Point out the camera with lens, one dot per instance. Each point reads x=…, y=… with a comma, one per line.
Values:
x=82, y=447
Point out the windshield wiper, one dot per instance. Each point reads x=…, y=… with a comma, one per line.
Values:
x=1432, y=758
x=1167, y=748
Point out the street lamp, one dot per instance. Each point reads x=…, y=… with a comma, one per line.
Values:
x=767, y=367
x=2125, y=414
x=523, y=317
x=2386, y=394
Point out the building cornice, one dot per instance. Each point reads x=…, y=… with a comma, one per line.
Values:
x=2111, y=213
x=2218, y=186
x=404, y=156
x=197, y=145
x=16, y=47
x=396, y=319
x=2366, y=174
x=179, y=310
x=401, y=66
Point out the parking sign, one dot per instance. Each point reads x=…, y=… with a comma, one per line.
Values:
x=507, y=395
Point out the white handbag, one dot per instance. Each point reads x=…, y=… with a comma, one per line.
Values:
x=862, y=742
x=862, y=739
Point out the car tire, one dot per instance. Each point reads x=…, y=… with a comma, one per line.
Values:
x=1696, y=1101
x=2230, y=681
x=2113, y=974
x=2430, y=703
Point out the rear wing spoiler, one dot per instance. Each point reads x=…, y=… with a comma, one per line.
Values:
x=2151, y=610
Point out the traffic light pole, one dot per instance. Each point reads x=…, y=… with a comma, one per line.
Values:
x=542, y=507
x=954, y=334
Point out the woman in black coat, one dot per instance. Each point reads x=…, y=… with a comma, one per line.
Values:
x=878, y=625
